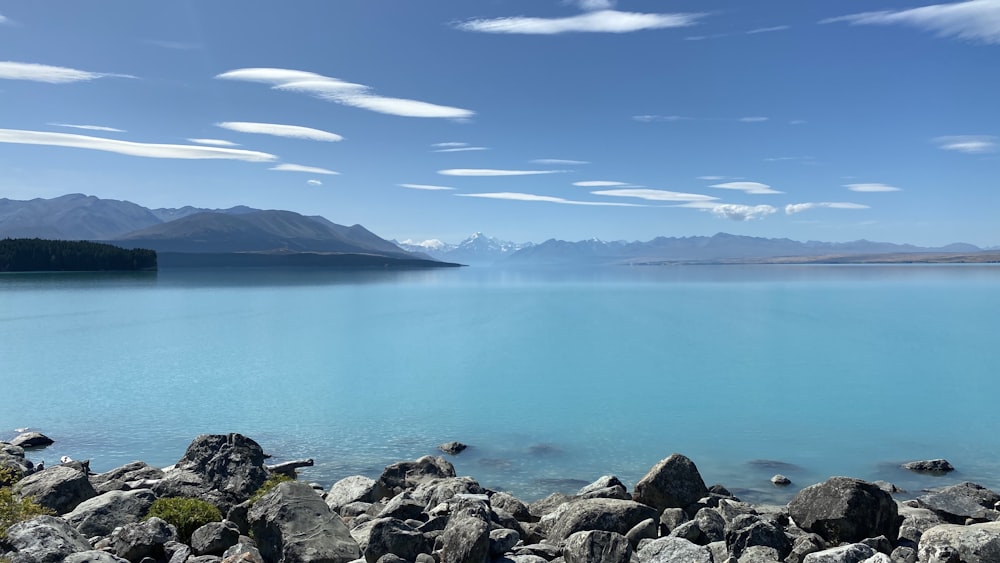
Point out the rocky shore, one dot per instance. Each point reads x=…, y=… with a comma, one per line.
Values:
x=420, y=511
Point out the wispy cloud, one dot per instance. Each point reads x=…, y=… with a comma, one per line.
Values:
x=654, y=195
x=494, y=172
x=871, y=188
x=733, y=211
x=559, y=161
x=768, y=29
x=314, y=182
x=754, y=188
x=970, y=144
x=3, y=19
x=449, y=144
x=650, y=118
x=798, y=122
x=300, y=168
x=10, y=70
x=713, y=178
x=149, y=150
x=462, y=149
x=800, y=207
x=591, y=5
x=89, y=127
x=753, y=119
x=972, y=20
x=277, y=130
x=600, y=183
x=345, y=93
x=601, y=21
x=428, y=187
x=516, y=196
x=214, y=142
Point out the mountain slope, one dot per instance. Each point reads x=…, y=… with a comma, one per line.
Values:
x=72, y=217
x=477, y=248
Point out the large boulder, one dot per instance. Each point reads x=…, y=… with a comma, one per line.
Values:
x=672, y=549
x=214, y=538
x=391, y=535
x=672, y=483
x=962, y=501
x=144, y=539
x=350, y=489
x=134, y=475
x=404, y=475
x=32, y=440
x=842, y=509
x=224, y=469
x=12, y=458
x=466, y=537
x=609, y=515
x=292, y=523
x=750, y=530
x=44, y=539
x=93, y=556
x=978, y=543
x=59, y=488
x=434, y=492
x=850, y=553
x=597, y=546
x=100, y=515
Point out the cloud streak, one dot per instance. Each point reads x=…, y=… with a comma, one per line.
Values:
x=753, y=188
x=462, y=149
x=278, y=130
x=650, y=118
x=301, y=168
x=214, y=142
x=793, y=208
x=600, y=21
x=654, y=195
x=517, y=196
x=485, y=172
x=972, y=20
x=428, y=187
x=753, y=119
x=89, y=127
x=600, y=183
x=871, y=188
x=768, y=29
x=148, y=150
x=733, y=211
x=558, y=161
x=314, y=182
x=969, y=144
x=10, y=70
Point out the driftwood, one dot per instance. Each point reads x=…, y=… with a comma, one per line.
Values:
x=289, y=467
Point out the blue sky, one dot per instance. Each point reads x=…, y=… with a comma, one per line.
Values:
x=524, y=119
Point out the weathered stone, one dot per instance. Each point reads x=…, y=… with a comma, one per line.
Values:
x=502, y=540
x=842, y=509
x=466, y=538
x=356, y=488
x=932, y=466
x=547, y=505
x=748, y=530
x=242, y=552
x=224, y=469
x=32, y=440
x=780, y=480
x=759, y=554
x=405, y=475
x=690, y=531
x=58, y=488
x=45, y=539
x=670, y=550
x=978, y=543
x=136, y=474
x=670, y=518
x=880, y=544
x=176, y=552
x=402, y=507
x=672, y=483
x=435, y=491
x=609, y=515
x=888, y=487
x=144, y=539
x=391, y=535
x=597, y=547
x=962, y=501
x=511, y=504
x=711, y=523
x=804, y=545
x=214, y=538
x=851, y=553
x=100, y=515
x=730, y=509
x=452, y=448
x=292, y=523
x=878, y=558
x=903, y=554
x=647, y=529
x=93, y=556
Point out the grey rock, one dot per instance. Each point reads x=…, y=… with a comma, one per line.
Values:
x=804, y=545
x=202, y=559
x=502, y=541
x=45, y=539
x=647, y=529
x=93, y=556
x=690, y=531
x=511, y=504
x=131, y=475
x=671, y=550
x=393, y=536
x=214, y=538
x=749, y=530
x=435, y=491
x=597, y=547
x=242, y=552
x=452, y=448
x=144, y=539
x=851, y=553
x=354, y=509
x=546, y=551
x=609, y=515
x=730, y=509
x=711, y=523
x=842, y=509
x=176, y=552
x=524, y=559
x=402, y=507
x=962, y=501
x=670, y=518
x=672, y=483
x=978, y=543
x=932, y=466
x=904, y=554
x=239, y=515
x=32, y=440
x=878, y=558
x=356, y=488
x=405, y=475
x=547, y=505
x=880, y=544
x=58, y=488
x=224, y=469
x=604, y=482
x=759, y=554
x=100, y=515
x=780, y=480
x=466, y=538
x=292, y=523
x=888, y=487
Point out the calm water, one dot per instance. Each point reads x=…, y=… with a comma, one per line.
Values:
x=555, y=377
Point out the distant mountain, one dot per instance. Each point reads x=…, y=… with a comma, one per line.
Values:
x=72, y=217
x=166, y=215
x=720, y=247
x=478, y=248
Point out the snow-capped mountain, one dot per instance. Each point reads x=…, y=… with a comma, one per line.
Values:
x=478, y=248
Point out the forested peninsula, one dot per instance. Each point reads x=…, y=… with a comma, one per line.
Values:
x=40, y=255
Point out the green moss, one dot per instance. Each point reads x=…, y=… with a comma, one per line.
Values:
x=14, y=510
x=273, y=481
x=185, y=514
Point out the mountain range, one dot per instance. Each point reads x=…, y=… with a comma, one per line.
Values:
x=478, y=248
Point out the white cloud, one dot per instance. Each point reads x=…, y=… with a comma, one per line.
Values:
x=768, y=29
x=733, y=211
x=753, y=119
x=558, y=161
x=600, y=183
x=654, y=195
x=3, y=19
x=594, y=4
x=430, y=244
x=449, y=144
x=424, y=187
x=290, y=131
x=658, y=118
x=515, y=196
x=755, y=188
x=462, y=149
x=972, y=20
x=871, y=188
x=10, y=70
x=401, y=107
x=602, y=21
x=300, y=168
x=494, y=172
x=314, y=182
x=214, y=142
x=713, y=177
x=150, y=150
x=89, y=127
x=274, y=76
x=800, y=207
x=969, y=144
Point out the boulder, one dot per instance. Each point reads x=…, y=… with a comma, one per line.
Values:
x=292, y=523
x=137, y=474
x=962, y=501
x=214, y=538
x=759, y=554
x=607, y=486
x=904, y=554
x=144, y=539
x=12, y=458
x=596, y=546
x=711, y=524
x=509, y=503
x=405, y=475
x=647, y=529
x=452, y=448
x=932, y=466
x=749, y=530
x=978, y=543
x=851, y=553
x=243, y=552
x=391, y=535
x=356, y=488
x=224, y=469
x=780, y=480
x=503, y=540
x=466, y=538
x=435, y=491
x=609, y=515
x=879, y=558
x=403, y=507
x=32, y=440
x=842, y=509
x=44, y=539
x=547, y=505
x=670, y=550
x=100, y=515
x=58, y=488
x=93, y=556
x=672, y=483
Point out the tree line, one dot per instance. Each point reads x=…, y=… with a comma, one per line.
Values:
x=40, y=255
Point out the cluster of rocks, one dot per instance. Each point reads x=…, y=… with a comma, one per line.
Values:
x=421, y=512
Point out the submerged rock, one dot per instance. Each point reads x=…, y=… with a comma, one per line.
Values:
x=32, y=440
x=932, y=466
x=452, y=448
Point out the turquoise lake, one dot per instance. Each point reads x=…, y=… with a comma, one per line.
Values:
x=553, y=376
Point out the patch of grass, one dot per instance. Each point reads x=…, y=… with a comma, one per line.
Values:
x=9, y=476
x=273, y=481
x=14, y=510
x=185, y=514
